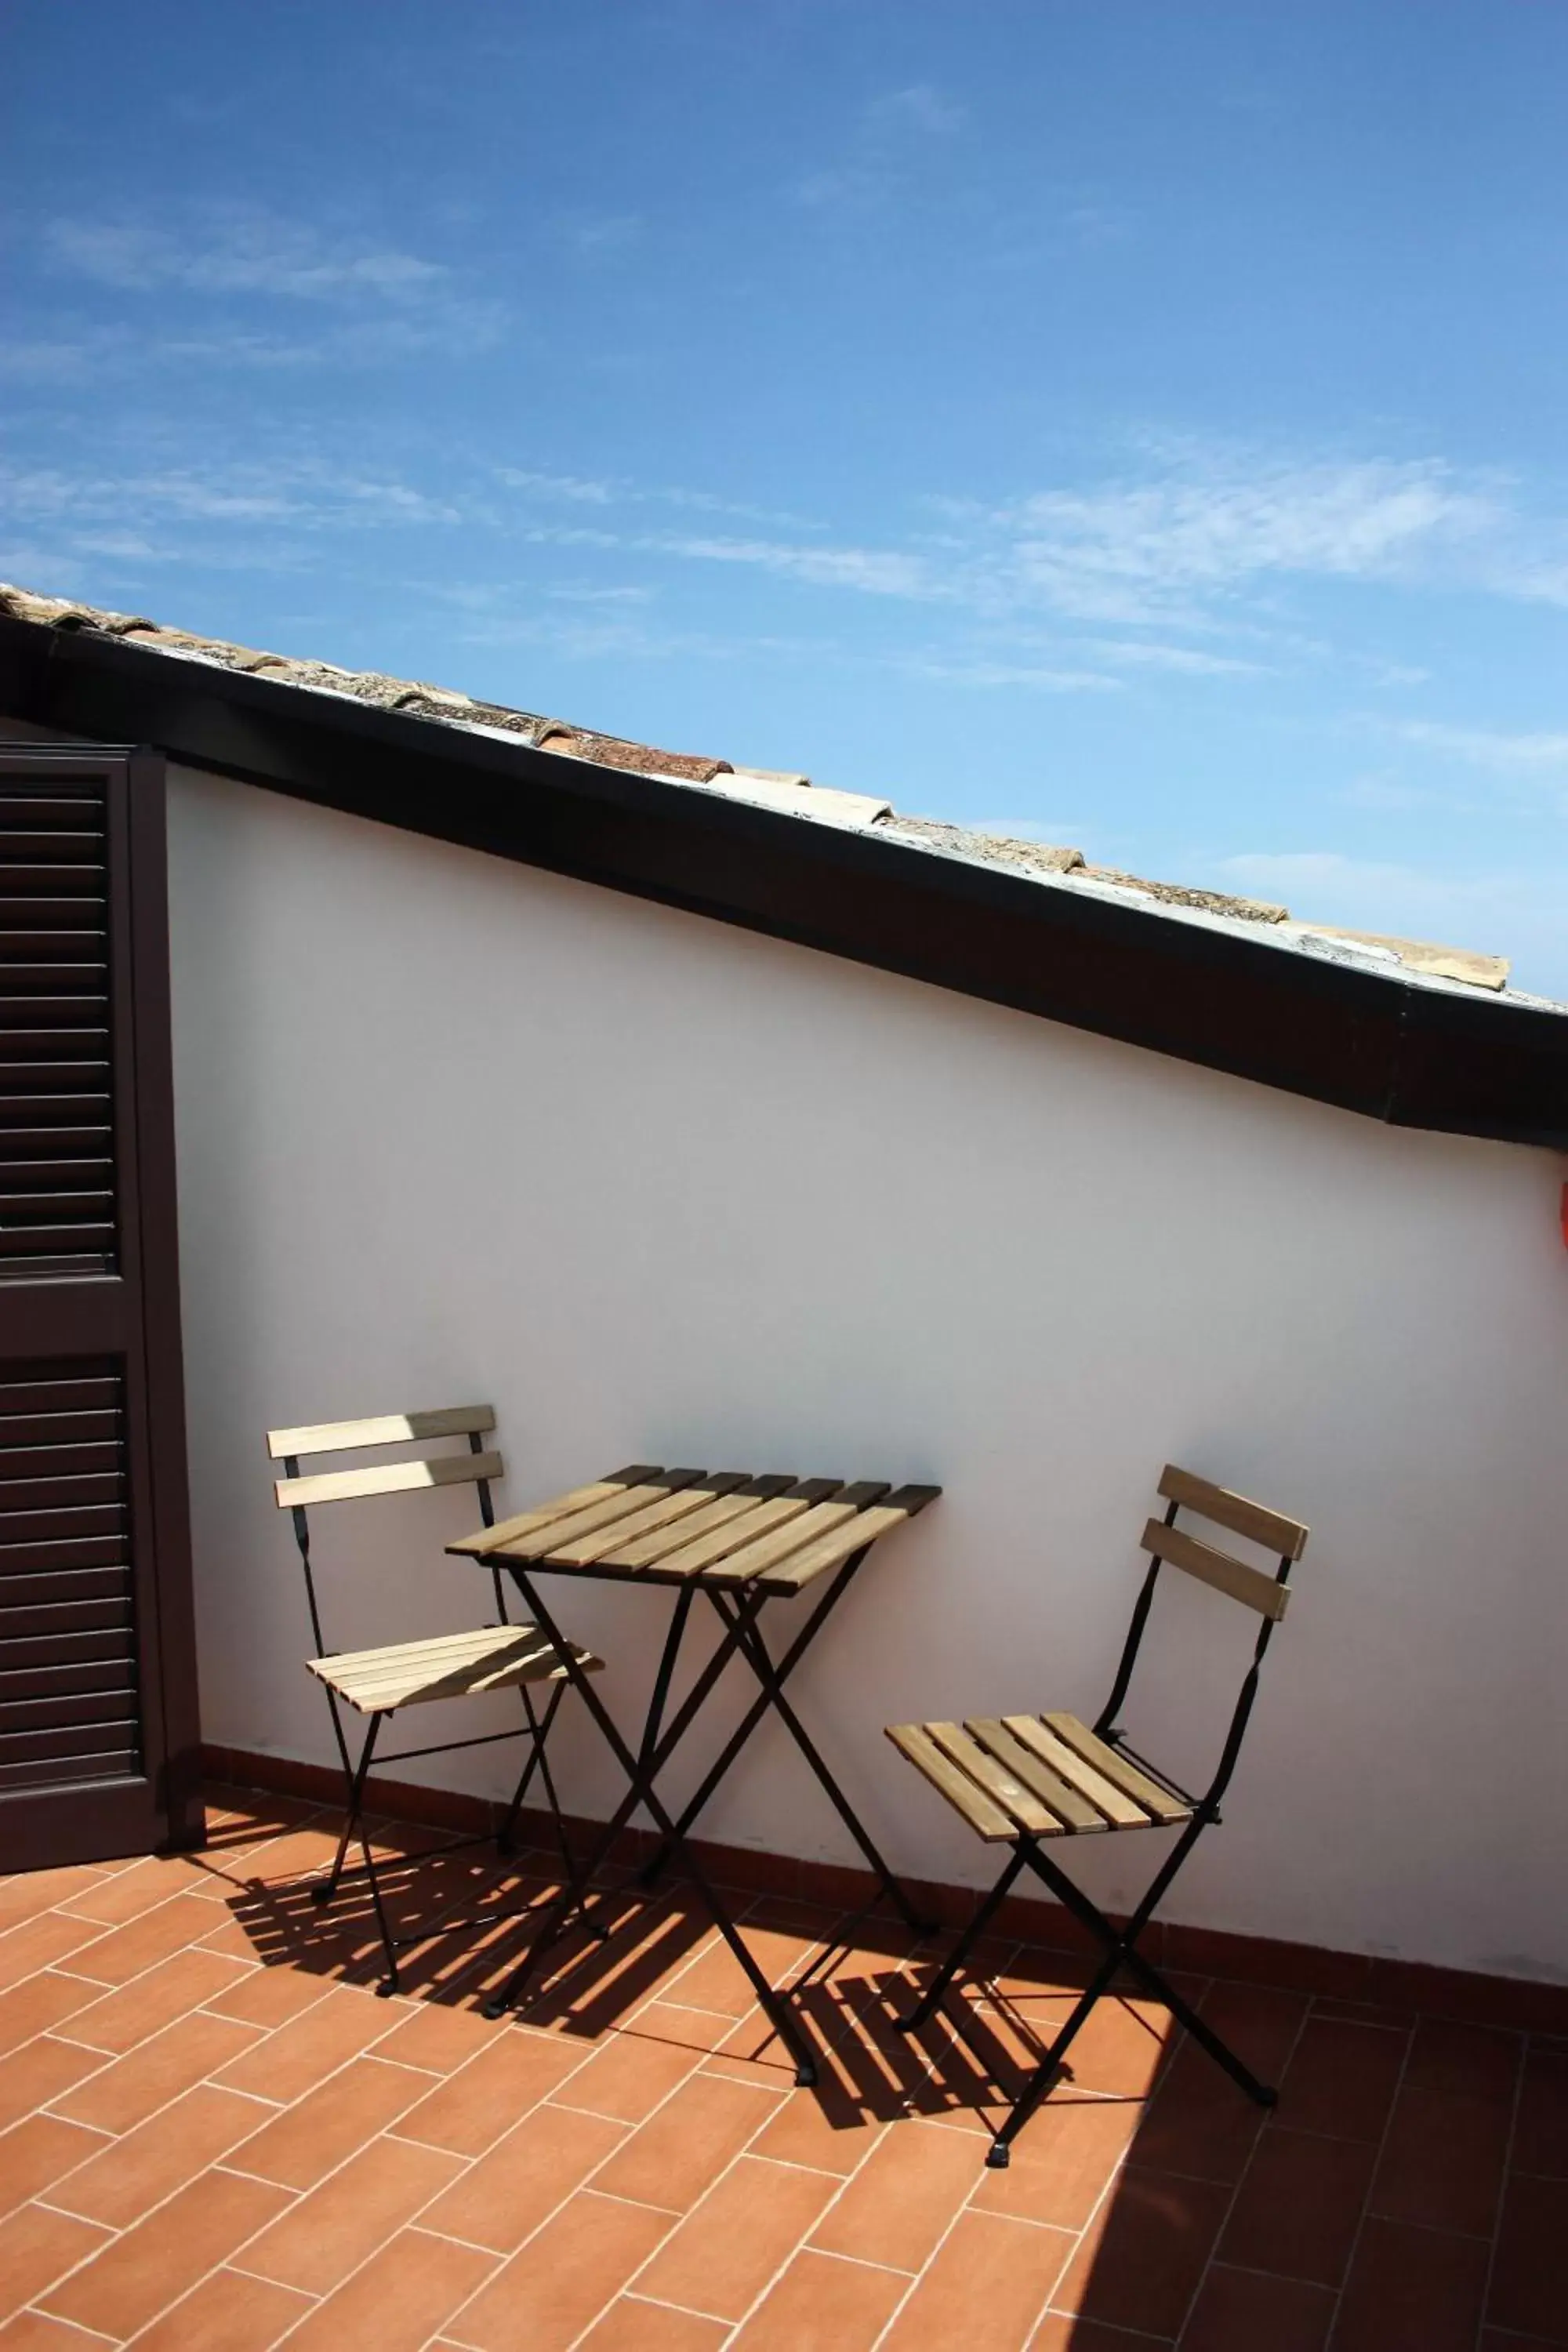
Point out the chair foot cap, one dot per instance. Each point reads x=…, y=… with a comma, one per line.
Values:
x=998, y=2156
x=323, y=1892
x=494, y=2008
x=387, y=1988
x=805, y=2074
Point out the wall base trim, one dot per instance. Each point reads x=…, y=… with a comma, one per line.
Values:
x=1518, y=2002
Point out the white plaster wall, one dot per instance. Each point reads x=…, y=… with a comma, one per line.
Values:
x=450, y=1128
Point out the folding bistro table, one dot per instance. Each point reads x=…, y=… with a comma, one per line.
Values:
x=741, y=1541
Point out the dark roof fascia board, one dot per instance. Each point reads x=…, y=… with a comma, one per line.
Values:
x=1381, y=1045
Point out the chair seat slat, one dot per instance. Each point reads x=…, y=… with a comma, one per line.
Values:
x=1004, y=1788
x=984, y=1816
x=1112, y=1765
x=1104, y=1795
x=1066, y=1802
x=449, y=1665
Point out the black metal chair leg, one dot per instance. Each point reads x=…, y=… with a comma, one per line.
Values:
x=1050, y=2070
x=936, y=1992
x=324, y=1889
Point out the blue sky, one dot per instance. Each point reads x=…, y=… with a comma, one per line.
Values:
x=1138, y=425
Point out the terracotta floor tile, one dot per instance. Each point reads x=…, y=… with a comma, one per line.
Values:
x=40, y=2071
x=1298, y=2205
x=38, y=2150
x=673, y=2158
x=1120, y=2048
x=441, y=2037
x=399, y=2301
x=300, y=2055
x=117, y=2020
x=1262, y=2023
x=1540, y=2137
x=1342, y=2079
x=37, y=2247
x=339, y=2225
x=723, y=2254
x=227, y=2312
x=305, y=2142
x=985, y=2290
x=128, y=2089
x=543, y=2298
x=823, y=2303
x=1411, y=2291
x=31, y=2332
x=1198, y=2122
x=1530, y=2279
x=28, y=1892
x=1141, y=2257
x=133, y=2173
x=132, y=2280
x=701, y=2031
x=111, y=1901
x=35, y=1942
x=1061, y=2161
x=510, y=2192
x=468, y=2112
x=716, y=1980
x=1477, y=2059
x=270, y=1996
x=1241, y=2311
x=821, y=2129
x=1442, y=2162
x=117, y=1954
x=40, y=2000
x=903, y=2197
x=629, y=2325
x=626, y=2077
x=1059, y=2332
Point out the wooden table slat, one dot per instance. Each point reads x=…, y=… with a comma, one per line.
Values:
x=650, y=1551
x=608, y=1513
x=832, y=1550
x=694, y=1557
x=585, y=1551
x=485, y=1541
x=767, y=1550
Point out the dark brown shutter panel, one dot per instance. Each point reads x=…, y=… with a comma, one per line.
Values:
x=69, y=1704
x=57, y=1212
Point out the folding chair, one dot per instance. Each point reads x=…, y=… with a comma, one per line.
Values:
x=377, y=1683
x=1020, y=1780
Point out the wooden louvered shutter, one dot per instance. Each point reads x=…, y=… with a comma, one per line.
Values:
x=97, y=1730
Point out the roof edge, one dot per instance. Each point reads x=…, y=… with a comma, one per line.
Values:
x=1370, y=1041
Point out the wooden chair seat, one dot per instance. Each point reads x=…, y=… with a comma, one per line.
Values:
x=1045, y=1774
x=448, y=1665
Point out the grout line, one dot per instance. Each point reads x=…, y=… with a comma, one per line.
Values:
x=1244, y=2175
x=1523, y=2069
x=1333, y=2327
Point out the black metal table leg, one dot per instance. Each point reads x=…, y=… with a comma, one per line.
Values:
x=641, y=1770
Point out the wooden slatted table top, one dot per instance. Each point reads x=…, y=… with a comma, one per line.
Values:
x=777, y=1534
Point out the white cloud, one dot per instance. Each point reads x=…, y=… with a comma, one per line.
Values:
x=1184, y=659
x=919, y=108
x=1511, y=754
x=238, y=250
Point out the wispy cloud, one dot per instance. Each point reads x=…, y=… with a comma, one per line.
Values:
x=1526, y=754
x=1187, y=661
x=238, y=250
x=886, y=146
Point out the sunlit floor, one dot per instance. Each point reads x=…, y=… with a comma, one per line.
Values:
x=216, y=2137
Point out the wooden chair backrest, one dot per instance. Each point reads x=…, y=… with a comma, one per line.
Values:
x=1183, y=1490
x=295, y=1492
